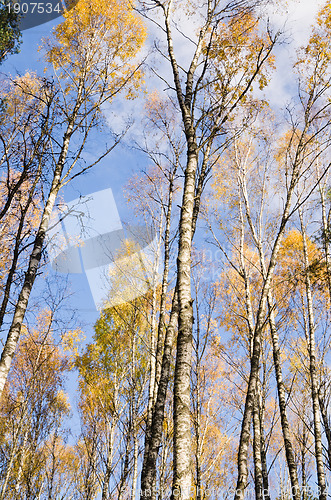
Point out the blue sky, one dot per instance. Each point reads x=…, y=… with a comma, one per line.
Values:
x=114, y=171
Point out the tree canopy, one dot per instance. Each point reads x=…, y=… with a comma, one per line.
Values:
x=206, y=374
x=10, y=35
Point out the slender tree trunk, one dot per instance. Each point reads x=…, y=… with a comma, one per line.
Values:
x=164, y=345
x=153, y=341
x=15, y=328
x=290, y=458
x=248, y=410
x=252, y=408
x=163, y=465
x=257, y=455
x=304, y=495
x=326, y=248
x=13, y=453
x=182, y=479
x=125, y=473
x=31, y=273
x=148, y=474
x=326, y=426
x=198, y=467
x=50, y=477
x=152, y=361
x=261, y=482
x=266, y=300
x=105, y=484
x=258, y=478
x=20, y=465
x=16, y=252
x=255, y=360
x=313, y=372
x=34, y=261
x=164, y=288
x=326, y=238
x=134, y=418
x=266, y=492
x=261, y=395
x=198, y=428
x=90, y=476
x=135, y=463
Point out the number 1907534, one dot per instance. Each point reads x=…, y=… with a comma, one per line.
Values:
x=35, y=8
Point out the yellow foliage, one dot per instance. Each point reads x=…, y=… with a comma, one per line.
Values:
x=97, y=43
x=234, y=54
x=34, y=402
x=231, y=293
x=21, y=97
x=106, y=366
x=314, y=59
x=291, y=266
x=71, y=341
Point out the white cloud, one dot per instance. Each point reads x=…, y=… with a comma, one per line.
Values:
x=296, y=21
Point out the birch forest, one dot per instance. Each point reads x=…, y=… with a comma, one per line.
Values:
x=207, y=372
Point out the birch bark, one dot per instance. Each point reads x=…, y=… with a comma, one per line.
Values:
x=313, y=370
x=198, y=113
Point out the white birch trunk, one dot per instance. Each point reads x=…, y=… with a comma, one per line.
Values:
x=313, y=371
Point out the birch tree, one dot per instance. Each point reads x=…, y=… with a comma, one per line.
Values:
x=217, y=78
x=33, y=407
x=249, y=202
x=91, y=54
x=310, y=124
x=113, y=374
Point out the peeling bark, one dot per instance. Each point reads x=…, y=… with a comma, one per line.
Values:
x=313, y=371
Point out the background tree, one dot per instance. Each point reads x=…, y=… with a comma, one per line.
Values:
x=9, y=32
x=91, y=53
x=33, y=408
x=113, y=375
